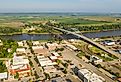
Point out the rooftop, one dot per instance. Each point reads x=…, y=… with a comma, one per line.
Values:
x=3, y=75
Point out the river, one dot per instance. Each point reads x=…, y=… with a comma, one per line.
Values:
x=49, y=36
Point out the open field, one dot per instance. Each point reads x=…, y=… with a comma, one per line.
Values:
x=90, y=23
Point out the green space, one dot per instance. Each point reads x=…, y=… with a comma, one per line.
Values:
x=2, y=67
x=101, y=54
x=78, y=21
x=8, y=44
x=23, y=24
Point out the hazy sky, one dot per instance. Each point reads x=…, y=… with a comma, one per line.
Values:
x=60, y=5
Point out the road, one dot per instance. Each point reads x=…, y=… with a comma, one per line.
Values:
x=3, y=59
x=39, y=73
x=90, y=42
x=72, y=56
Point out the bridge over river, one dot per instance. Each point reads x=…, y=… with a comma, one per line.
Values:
x=89, y=41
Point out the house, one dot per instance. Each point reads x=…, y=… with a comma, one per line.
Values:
x=3, y=75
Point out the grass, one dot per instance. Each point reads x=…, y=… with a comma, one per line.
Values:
x=80, y=54
x=99, y=52
x=78, y=21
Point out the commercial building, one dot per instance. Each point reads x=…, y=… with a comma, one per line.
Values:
x=20, y=65
x=88, y=76
x=39, y=50
x=3, y=75
x=45, y=61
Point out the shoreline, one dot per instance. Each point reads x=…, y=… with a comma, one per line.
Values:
x=83, y=32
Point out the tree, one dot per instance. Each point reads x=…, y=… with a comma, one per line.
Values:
x=58, y=61
x=17, y=75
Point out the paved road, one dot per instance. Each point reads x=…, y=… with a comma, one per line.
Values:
x=24, y=79
x=39, y=73
x=90, y=41
x=5, y=58
x=72, y=56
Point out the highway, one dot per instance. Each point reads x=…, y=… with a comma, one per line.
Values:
x=90, y=42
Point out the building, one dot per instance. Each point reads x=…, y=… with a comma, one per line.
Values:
x=51, y=46
x=119, y=79
x=56, y=54
x=53, y=58
x=72, y=47
x=52, y=71
x=22, y=43
x=21, y=50
x=95, y=59
x=3, y=75
x=39, y=50
x=20, y=60
x=20, y=65
x=45, y=61
x=88, y=76
x=109, y=42
x=1, y=43
x=35, y=43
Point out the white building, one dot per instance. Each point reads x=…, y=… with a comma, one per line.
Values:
x=88, y=76
x=17, y=60
x=20, y=43
x=1, y=43
x=95, y=59
x=21, y=50
x=35, y=43
x=4, y=75
x=37, y=47
x=109, y=43
x=45, y=61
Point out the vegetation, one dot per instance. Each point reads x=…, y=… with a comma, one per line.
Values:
x=80, y=54
x=16, y=76
x=9, y=30
x=2, y=67
x=8, y=44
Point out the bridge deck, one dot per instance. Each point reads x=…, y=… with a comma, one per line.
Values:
x=91, y=42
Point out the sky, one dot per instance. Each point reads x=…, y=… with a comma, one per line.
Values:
x=99, y=6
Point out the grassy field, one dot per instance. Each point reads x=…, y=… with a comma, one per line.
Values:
x=79, y=21
x=68, y=21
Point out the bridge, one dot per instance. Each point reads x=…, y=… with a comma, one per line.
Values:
x=89, y=41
